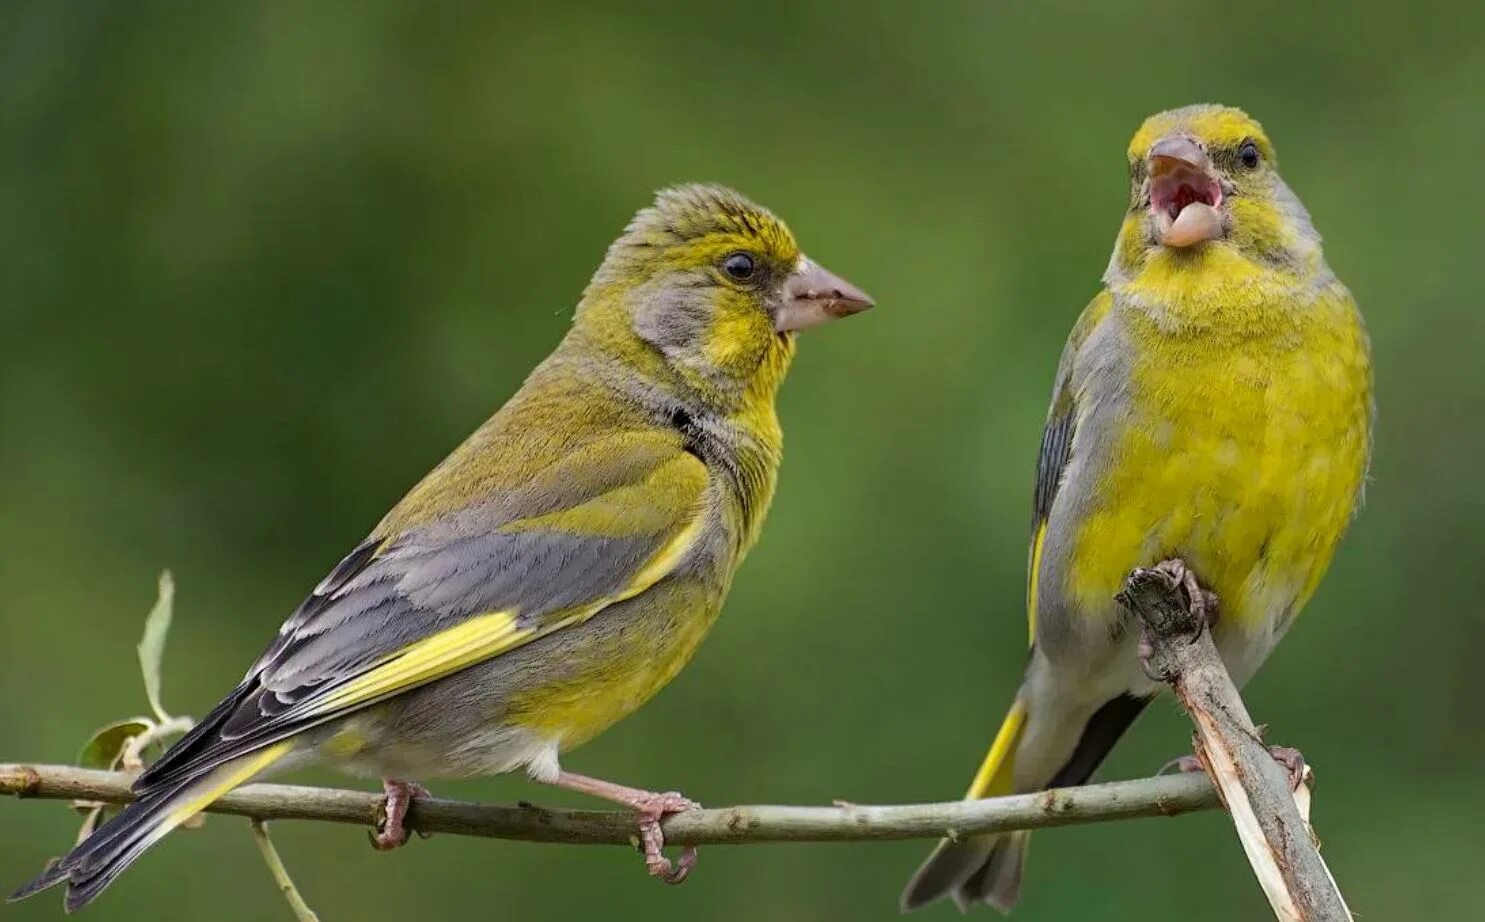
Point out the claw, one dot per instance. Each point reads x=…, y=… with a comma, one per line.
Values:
x=650, y=808
x=1289, y=758
x=1183, y=765
x=1293, y=762
x=390, y=831
x=1203, y=605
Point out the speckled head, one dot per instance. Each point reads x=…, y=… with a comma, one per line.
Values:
x=717, y=284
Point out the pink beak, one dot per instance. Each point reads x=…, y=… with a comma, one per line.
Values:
x=814, y=295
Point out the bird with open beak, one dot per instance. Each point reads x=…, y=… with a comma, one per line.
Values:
x=1212, y=409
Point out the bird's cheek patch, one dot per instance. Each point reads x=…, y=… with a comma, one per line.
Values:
x=737, y=338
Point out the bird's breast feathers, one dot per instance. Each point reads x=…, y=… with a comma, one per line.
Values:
x=1241, y=450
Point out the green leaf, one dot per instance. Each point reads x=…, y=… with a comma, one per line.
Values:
x=152, y=644
x=106, y=746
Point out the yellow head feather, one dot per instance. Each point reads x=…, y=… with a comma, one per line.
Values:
x=664, y=288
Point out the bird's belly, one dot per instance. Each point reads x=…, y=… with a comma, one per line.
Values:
x=1239, y=470
x=521, y=709
x=606, y=669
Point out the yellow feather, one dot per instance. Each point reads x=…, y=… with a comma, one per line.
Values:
x=997, y=772
x=346, y=742
x=432, y=657
x=1218, y=126
x=665, y=561
x=220, y=782
x=1245, y=457
x=486, y=636
x=1034, y=568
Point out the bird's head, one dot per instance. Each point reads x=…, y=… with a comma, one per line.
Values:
x=1205, y=177
x=716, y=286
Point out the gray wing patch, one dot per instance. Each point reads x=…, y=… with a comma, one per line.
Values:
x=202, y=737
x=1056, y=450
x=418, y=588
x=374, y=604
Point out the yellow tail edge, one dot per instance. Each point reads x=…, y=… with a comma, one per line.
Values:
x=997, y=773
x=221, y=781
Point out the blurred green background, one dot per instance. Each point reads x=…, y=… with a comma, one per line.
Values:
x=264, y=264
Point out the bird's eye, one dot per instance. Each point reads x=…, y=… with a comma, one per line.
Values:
x=739, y=266
x=1249, y=155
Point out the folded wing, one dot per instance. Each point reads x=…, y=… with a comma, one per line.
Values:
x=430, y=594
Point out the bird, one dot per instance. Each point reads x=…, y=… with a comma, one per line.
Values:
x=550, y=575
x=1212, y=408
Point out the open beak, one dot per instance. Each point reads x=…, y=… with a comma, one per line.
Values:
x=1184, y=195
x=813, y=295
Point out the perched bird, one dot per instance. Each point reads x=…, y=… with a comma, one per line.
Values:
x=555, y=571
x=1213, y=405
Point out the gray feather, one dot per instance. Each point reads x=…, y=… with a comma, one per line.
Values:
x=485, y=559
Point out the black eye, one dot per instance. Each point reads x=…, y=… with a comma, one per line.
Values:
x=739, y=266
x=1248, y=154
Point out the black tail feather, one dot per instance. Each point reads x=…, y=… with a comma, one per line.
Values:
x=1100, y=734
x=988, y=869
x=102, y=856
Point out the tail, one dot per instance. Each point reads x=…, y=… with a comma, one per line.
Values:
x=102, y=856
x=988, y=869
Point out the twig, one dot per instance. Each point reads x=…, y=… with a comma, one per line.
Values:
x=302, y=912
x=1278, y=842
x=1166, y=795
x=132, y=757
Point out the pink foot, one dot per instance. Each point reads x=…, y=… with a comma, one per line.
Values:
x=650, y=808
x=1203, y=603
x=390, y=832
x=1293, y=762
x=1182, y=765
x=1289, y=758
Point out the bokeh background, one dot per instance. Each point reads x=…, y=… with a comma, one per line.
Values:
x=261, y=265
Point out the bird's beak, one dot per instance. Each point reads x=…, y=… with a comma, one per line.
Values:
x=1184, y=195
x=814, y=295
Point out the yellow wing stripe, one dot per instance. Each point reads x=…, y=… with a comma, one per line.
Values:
x=447, y=651
x=486, y=636
x=996, y=774
x=1031, y=577
x=220, y=782
x=665, y=560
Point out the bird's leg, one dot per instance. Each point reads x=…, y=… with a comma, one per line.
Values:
x=1183, y=765
x=651, y=809
x=390, y=833
x=1203, y=606
x=1289, y=759
x=1292, y=761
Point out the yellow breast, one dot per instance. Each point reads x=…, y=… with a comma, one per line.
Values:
x=612, y=667
x=1243, y=453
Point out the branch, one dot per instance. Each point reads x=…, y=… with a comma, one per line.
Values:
x=281, y=877
x=1256, y=791
x=1166, y=795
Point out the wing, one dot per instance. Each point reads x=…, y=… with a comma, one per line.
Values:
x=1057, y=444
x=430, y=594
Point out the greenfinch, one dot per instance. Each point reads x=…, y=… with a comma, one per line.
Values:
x=1212, y=405
x=555, y=571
